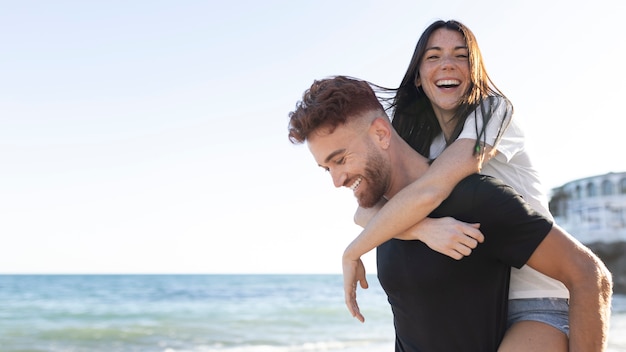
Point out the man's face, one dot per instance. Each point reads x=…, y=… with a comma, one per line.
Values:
x=353, y=160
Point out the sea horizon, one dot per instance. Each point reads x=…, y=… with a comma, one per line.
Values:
x=219, y=312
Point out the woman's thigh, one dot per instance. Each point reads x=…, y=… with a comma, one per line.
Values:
x=533, y=336
x=538, y=324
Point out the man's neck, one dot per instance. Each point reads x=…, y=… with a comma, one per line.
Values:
x=407, y=165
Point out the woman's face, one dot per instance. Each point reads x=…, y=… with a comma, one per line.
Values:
x=444, y=73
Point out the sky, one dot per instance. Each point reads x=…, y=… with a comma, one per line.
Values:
x=151, y=136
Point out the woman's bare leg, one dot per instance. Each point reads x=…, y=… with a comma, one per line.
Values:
x=533, y=336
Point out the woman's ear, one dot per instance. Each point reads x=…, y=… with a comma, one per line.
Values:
x=418, y=81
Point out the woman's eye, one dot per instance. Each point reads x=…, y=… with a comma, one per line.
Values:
x=464, y=54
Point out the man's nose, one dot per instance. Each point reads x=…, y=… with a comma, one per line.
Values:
x=339, y=177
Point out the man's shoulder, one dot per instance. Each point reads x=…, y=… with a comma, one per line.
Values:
x=475, y=180
x=483, y=187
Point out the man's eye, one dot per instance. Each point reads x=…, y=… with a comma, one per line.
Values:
x=340, y=161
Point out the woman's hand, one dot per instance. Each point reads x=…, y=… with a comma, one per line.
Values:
x=353, y=272
x=448, y=236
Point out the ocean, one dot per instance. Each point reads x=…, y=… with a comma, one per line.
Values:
x=200, y=313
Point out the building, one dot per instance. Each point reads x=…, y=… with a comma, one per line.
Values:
x=592, y=209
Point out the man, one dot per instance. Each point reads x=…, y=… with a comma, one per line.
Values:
x=438, y=303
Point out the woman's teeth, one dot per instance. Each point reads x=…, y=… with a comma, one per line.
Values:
x=448, y=83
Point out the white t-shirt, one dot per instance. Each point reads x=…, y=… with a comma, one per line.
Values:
x=512, y=165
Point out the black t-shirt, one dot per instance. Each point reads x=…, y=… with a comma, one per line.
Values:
x=443, y=304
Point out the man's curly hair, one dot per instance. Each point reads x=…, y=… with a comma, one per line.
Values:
x=329, y=103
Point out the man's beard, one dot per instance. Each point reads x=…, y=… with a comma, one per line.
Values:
x=377, y=179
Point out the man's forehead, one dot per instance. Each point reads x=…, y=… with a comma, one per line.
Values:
x=323, y=142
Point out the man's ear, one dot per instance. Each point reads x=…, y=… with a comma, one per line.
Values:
x=381, y=133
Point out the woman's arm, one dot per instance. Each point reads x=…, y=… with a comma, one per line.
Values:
x=447, y=235
x=363, y=215
x=408, y=207
x=413, y=203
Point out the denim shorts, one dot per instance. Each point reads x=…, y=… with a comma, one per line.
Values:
x=551, y=311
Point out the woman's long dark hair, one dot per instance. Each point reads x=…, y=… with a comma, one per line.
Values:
x=412, y=111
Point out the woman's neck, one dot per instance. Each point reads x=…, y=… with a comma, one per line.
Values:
x=447, y=124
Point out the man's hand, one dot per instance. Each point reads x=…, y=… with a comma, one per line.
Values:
x=448, y=236
x=353, y=272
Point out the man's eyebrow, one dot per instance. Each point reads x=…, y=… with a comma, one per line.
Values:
x=334, y=154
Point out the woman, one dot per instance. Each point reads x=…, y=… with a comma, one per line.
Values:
x=447, y=105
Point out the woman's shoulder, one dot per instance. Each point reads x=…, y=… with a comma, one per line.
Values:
x=498, y=105
x=492, y=108
x=497, y=100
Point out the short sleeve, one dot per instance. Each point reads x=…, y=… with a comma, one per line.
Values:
x=511, y=141
x=515, y=229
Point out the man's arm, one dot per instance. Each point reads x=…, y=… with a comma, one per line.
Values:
x=563, y=258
